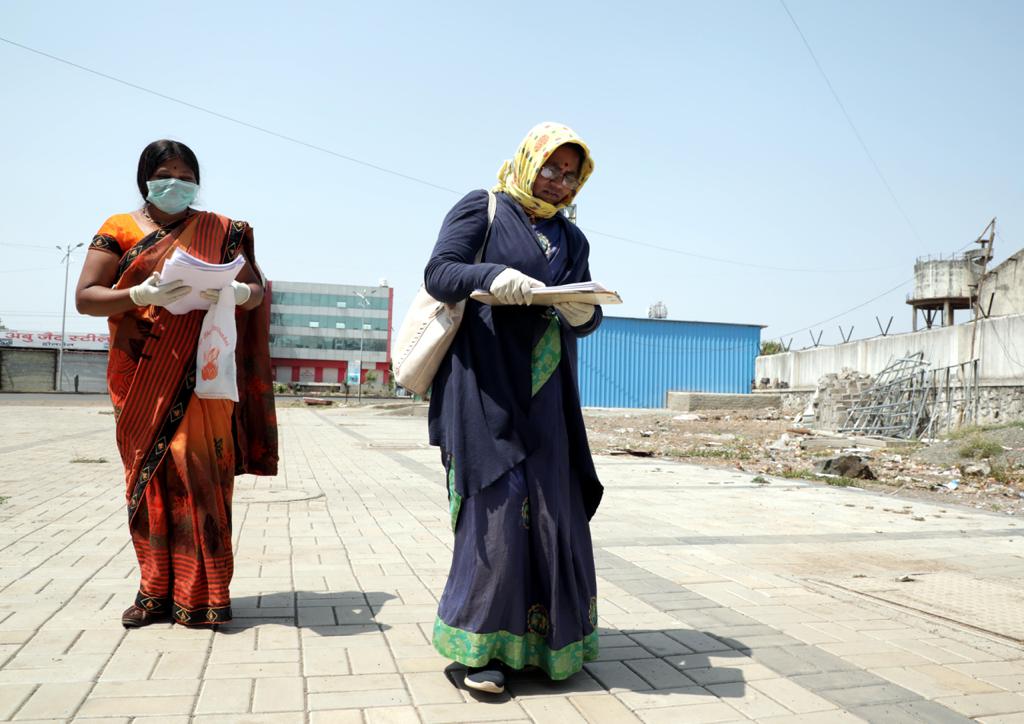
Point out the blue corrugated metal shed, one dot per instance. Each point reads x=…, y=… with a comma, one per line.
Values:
x=631, y=362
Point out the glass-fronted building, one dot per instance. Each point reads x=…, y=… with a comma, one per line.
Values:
x=318, y=330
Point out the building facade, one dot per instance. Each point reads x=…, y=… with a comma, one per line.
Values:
x=330, y=334
x=631, y=362
x=28, y=361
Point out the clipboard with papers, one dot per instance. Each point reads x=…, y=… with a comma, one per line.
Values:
x=199, y=275
x=583, y=292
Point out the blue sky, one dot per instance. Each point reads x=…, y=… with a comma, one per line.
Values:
x=713, y=132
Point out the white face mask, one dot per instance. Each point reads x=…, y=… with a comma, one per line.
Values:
x=171, y=195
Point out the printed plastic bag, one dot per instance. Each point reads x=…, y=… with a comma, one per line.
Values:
x=215, y=357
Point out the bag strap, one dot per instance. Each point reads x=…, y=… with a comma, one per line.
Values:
x=492, y=205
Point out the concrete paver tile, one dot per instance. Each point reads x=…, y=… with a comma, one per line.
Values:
x=376, y=660
x=290, y=717
x=717, y=713
x=12, y=696
x=792, y=696
x=392, y=715
x=180, y=665
x=910, y=711
x=50, y=668
x=475, y=712
x=54, y=700
x=684, y=696
x=836, y=680
x=1010, y=682
x=1003, y=719
x=729, y=674
x=834, y=716
x=357, y=699
x=935, y=681
x=360, y=682
x=747, y=700
x=155, y=687
x=659, y=674
x=263, y=656
x=658, y=644
x=279, y=694
x=525, y=687
x=432, y=688
x=891, y=658
x=975, y=705
x=616, y=676
x=552, y=710
x=603, y=709
x=137, y=706
x=341, y=716
x=225, y=696
x=697, y=641
x=869, y=695
x=251, y=671
x=324, y=662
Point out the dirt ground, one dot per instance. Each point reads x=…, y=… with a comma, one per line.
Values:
x=979, y=467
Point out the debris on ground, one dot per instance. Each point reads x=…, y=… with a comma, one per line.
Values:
x=845, y=466
x=982, y=467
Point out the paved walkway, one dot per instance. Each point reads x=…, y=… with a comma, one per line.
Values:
x=721, y=599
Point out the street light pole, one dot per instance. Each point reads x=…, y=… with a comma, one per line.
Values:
x=364, y=304
x=64, y=312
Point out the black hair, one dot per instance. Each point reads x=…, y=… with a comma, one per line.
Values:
x=578, y=149
x=159, y=152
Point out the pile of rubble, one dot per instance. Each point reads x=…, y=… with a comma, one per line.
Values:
x=765, y=443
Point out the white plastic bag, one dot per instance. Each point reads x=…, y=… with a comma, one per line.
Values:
x=215, y=357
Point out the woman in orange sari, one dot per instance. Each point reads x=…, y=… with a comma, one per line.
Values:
x=180, y=452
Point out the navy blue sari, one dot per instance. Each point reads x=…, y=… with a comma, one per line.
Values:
x=522, y=487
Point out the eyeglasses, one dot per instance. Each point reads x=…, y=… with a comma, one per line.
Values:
x=569, y=180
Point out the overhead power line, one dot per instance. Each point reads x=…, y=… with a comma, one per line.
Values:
x=225, y=117
x=750, y=264
x=392, y=172
x=853, y=126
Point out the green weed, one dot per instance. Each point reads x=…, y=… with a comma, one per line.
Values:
x=977, y=448
x=89, y=461
x=838, y=482
x=971, y=430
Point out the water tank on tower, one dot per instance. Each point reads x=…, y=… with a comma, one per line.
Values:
x=945, y=285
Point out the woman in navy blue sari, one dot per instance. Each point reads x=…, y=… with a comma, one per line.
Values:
x=505, y=412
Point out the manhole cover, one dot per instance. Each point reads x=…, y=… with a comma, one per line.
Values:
x=396, y=445
x=274, y=496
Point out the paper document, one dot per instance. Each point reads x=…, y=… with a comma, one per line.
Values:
x=199, y=275
x=585, y=292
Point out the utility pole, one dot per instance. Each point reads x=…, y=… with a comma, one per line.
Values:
x=364, y=304
x=64, y=311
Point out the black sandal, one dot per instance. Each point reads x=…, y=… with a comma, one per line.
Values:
x=137, y=617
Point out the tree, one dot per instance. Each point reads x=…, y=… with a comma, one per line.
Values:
x=771, y=347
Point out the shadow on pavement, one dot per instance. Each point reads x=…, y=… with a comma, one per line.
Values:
x=328, y=614
x=643, y=662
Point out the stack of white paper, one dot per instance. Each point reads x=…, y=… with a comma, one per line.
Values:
x=585, y=292
x=199, y=275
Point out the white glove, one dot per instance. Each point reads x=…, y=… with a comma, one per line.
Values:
x=576, y=313
x=514, y=287
x=241, y=291
x=153, y=292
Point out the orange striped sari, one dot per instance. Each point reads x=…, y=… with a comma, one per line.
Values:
x=181, y=453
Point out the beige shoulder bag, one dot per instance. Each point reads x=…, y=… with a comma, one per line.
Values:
x=429, y=328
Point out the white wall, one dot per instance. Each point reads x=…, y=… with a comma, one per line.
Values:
x=1004, y=287
x=997, y=342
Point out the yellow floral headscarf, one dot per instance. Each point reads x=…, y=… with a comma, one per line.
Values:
x=516, y=177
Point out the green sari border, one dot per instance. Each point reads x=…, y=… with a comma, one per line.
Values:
x=516, y=651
